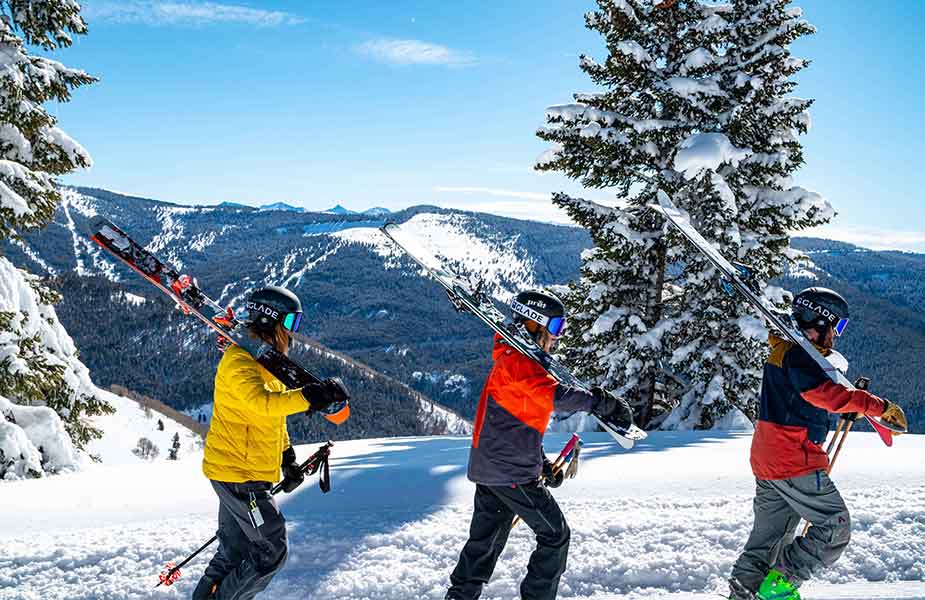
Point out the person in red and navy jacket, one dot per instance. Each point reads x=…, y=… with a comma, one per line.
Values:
x=507, y=462
x=789, y=463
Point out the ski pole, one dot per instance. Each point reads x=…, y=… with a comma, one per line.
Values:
x=559, y=464
x=314, y=463
x=838, y=441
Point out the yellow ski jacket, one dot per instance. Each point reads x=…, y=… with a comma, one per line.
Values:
x=248, y=433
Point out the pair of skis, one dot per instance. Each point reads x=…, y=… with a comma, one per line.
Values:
x=480, y=304
x=184, y=290
x=736, y=279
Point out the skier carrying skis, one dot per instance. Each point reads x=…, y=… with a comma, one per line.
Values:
x=247, y=444
x=507, y=462
x=789, y=463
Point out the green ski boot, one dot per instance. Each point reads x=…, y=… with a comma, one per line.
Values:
x=776, y=587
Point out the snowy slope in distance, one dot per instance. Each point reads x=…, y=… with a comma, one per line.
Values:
x=664, y=521
x=450, y=239
x=123, y=429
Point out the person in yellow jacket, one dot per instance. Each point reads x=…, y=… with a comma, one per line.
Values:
x=246, y=446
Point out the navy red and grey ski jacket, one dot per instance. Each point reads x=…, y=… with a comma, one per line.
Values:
x=514, y=410
x=793, y=420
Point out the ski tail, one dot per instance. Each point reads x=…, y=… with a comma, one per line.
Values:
x=337, y=413
x=886, y=434
x=626, y=437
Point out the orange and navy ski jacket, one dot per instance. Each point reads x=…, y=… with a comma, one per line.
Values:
x=793, y=420
x=514, y=410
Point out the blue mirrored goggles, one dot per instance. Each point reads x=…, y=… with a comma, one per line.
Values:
x=841, y=326
x=292, y=321
x=556, y=326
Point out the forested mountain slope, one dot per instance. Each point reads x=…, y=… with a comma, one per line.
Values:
x=364, y=300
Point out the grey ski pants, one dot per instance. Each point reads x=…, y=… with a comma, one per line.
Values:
x=779, y=505
x=495, y=507
x=249, y=553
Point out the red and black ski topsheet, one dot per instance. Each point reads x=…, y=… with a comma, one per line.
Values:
x=191, y=299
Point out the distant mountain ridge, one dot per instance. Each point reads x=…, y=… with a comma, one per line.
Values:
x=366, y=301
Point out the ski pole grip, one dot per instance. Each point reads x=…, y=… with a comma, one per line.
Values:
x=569, y=446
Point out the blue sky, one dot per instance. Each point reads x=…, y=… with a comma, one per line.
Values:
x=400, y=103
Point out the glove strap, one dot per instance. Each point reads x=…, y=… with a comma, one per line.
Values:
x=324, y=479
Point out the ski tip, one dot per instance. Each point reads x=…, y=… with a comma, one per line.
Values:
x=388, y=225
x=337, y=415
x=664, y=200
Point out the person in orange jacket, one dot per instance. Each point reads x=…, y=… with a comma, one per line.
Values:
x=788, y=461
x=246, y=446
x=507, y=462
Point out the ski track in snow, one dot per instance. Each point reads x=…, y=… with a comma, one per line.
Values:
x=664, y=521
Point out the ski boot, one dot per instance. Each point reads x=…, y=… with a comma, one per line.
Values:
x=738, y=591
x=776, y=587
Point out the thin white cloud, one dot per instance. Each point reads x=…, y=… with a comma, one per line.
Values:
x=536, y=206
x=870, y=237
x=484, y=191
x=413, y=52
x=531, y=206
x=166, y=12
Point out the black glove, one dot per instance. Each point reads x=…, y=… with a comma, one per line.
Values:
x=612, y=408
x=551, y=479
x=292, y=474
x=324, y=394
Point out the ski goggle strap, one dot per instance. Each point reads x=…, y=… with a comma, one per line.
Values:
x=292, y=321
x=841, y=326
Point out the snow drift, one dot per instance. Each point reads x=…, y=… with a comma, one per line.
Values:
x=37, y=356
x=663, y=521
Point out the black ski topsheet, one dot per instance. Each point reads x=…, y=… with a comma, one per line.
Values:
x=192, y=300
x=731, y=274
x=482, y=307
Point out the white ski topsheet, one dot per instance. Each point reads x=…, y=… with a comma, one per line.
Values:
x=663, y=521
x=682, y=222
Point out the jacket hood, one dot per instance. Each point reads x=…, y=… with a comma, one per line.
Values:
x=776, y=340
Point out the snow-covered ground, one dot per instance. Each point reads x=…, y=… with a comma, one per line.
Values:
x=128, y=424
x=665, y=521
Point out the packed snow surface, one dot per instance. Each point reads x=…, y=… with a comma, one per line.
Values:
x=665, y=520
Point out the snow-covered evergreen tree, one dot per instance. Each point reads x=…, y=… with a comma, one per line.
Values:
x=694, y=102
x=38, y=363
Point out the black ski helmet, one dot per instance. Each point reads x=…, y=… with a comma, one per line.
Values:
x=271, y=305
x=820, y=308
x=542, y=307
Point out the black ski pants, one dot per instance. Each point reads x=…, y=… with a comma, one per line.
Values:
x=252, y=548
x=495, y=507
